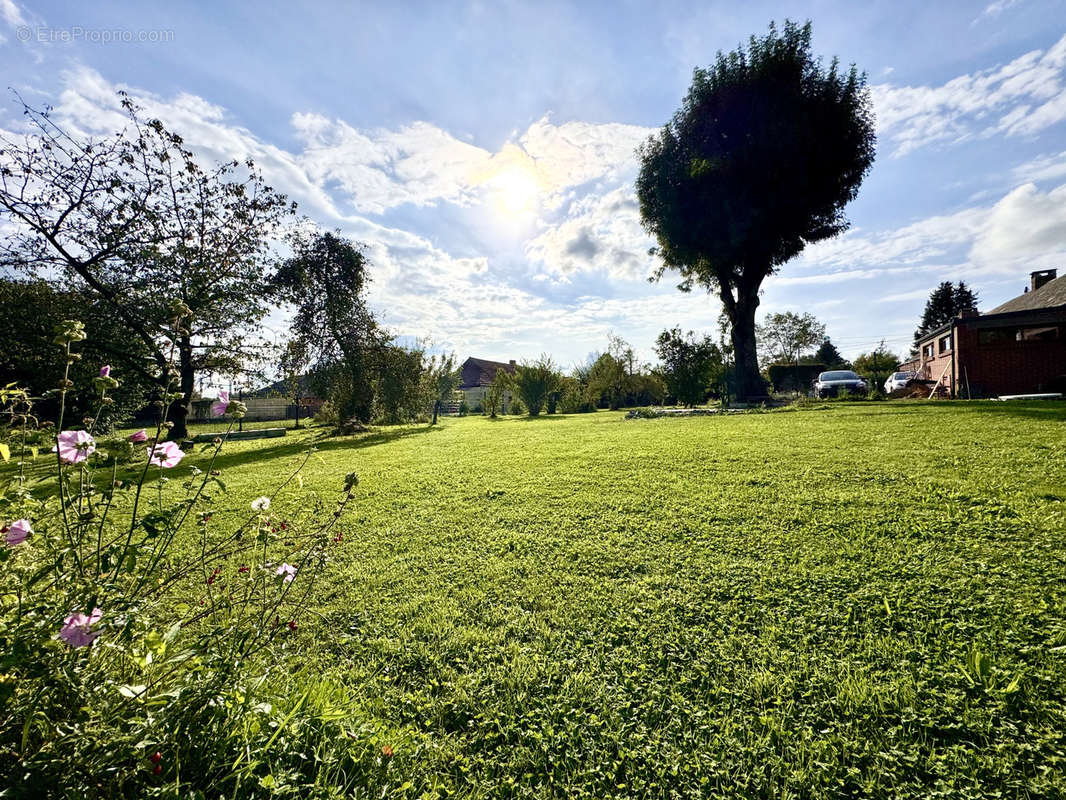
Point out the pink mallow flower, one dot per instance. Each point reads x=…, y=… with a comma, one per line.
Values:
x=74, y=446
x=105, y=371
x=288, y=571
x=139, y=436
x=17, y=531
x=165, y=455
x=218, y=408
x=76, y=628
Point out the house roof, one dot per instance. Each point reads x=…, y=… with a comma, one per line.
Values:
x=484, y=363
x=935, y=332
x=1050, y=295
x=486, y=371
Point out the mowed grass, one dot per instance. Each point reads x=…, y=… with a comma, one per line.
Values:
x=865, y=600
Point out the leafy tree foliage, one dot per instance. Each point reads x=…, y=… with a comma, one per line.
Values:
x=945, y=303
x=496, y=392
x=325, y=278
x=608, y=381
x=690, y=365
x=609, y=377
x=174, y=251
x=409, y=384
x=646, y=387
x=787, y=336
x=615, y=379
x=400, y=391
x=878, y=364
x=29, y=313
x=760, y=160
x=828, y=354
x=574, y=394
x=442, y=379
x=534, y=382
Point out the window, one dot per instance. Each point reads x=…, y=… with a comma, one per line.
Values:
x=927, y=351
x=1044, y=334
x=997, y=335
x=945, y=344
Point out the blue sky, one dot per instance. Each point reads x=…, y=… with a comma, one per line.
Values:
x=484, y=150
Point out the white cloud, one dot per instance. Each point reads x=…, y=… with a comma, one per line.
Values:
x=575, y=153
x=11, y=13
x=1025, y=226
x=601, y=233
x=377, y=170
x=1022, y=97
x=1043, y=168
x=994, y=9
x=899, y=297
x=422, y=164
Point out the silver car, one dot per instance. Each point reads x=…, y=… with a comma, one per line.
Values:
x=839, y=381
x=898, y=380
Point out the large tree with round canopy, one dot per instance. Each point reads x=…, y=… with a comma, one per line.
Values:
x=765, y=151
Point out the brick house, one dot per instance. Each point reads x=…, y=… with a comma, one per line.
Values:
x=476, y=376
x=1018, y=347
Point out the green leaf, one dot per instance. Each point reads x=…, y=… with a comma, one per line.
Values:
x=172, y=633
x=5, y=452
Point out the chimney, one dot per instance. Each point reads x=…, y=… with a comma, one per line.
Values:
x=511, y=362
x=1040, y=277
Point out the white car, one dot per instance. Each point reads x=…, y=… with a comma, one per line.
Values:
x=839, y=381
x=898, y=380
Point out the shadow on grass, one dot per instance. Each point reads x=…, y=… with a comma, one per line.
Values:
x=41, y=475
x=322, y=442
x=526, y=418
x=1043, y=410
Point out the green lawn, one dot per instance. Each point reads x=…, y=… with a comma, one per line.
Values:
x=868, y=599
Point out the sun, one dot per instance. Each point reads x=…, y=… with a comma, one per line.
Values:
x=517, y=191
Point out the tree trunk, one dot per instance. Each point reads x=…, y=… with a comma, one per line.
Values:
x=750, y=384
x=436, y=408
x=178, y=412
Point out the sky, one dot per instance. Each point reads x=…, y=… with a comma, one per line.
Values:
x=484, y=152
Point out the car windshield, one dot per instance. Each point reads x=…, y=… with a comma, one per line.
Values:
x=838, y=375
x=901, y=376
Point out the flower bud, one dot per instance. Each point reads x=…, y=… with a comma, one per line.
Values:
x=69, y=331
